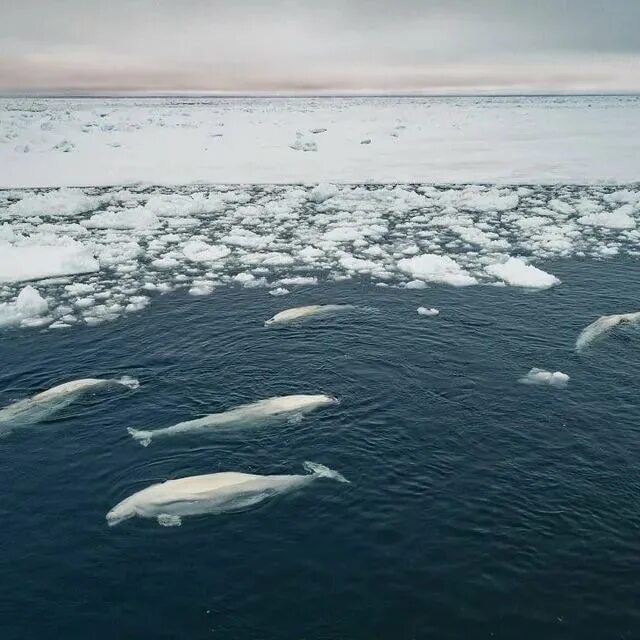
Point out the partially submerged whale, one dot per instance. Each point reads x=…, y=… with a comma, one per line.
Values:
x=301, y=313
x=602, y=325
x=213, y=493
x=43, y=405
x=245, y=415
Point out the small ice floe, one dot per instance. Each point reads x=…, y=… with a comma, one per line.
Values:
x=254, y=414
x=518, y=273
x=621, y=218
x=542, y=377
x=43, y=405
x=28, y=307
x=602, y=325
x=423, y=311
x=280, y=291
x=301, y=313
x=322, y=192
x=429, y=267
x=168, y=502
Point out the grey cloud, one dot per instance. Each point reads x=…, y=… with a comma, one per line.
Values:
x=248, y=45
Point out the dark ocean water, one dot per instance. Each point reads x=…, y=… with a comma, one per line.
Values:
x=478, y=507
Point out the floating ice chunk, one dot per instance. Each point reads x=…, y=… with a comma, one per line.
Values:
x=246, y=239
x=434, y=268
x=618, y=219
x=199, y=251
x=84, y=303
x=310, y=254
x=28, y=305
x=201, y=289
x=561, y=207
x=178, y=223
x=542, y=377
x=351, y=263
x=138, y=218
x=175, y=204
x=136, y=303
x=58, y=203
x=165, y=262
x=474, y=200
x=119, y=253
x=323, y=192
x=518, y=273
x=280, y=291
x=623, y=197
x=343, y=234
x=416, y=284
x=34, y=262
x=602, y=325
x=423, y=311
x=80, y=288
x=248, y=280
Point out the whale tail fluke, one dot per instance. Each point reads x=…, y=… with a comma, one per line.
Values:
x=323, y=472
x=141, y=436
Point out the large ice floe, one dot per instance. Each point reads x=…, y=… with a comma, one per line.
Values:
x=261, y=140
x=70, y=256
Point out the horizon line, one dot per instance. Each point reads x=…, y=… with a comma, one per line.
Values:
x=71, y=93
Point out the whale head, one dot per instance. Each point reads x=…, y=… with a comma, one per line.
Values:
x=122, y=511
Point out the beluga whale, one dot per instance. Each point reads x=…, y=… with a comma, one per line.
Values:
x=30, y=411
x=297, y=314
x=168, y=502
x=254, y=414
x=602, y=325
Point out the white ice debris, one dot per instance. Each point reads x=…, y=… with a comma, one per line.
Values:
x=29, y=305
x=618, y=219
x=199, y=251
x=518, y=273
x=542, y=377
x=280, y=291
x=435, y=268
x=423, y=311
x=94, y=265
x=323, y=192
x=137, y=218
x=59, y=203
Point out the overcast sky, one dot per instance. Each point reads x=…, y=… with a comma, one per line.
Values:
x=435, y=46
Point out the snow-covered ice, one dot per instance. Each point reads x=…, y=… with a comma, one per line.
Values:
x=542, y=377
x=177, y=141
x=27, y=308
x=518, y=273
x=424, y=311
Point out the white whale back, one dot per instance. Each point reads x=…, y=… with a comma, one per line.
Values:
x=67, y=388
x=602, y=325
x=294, y=313
x=286, y=404
x=211, y=493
